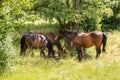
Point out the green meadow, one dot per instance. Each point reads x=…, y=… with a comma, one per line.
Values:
x=20, y=16
x=106, y=67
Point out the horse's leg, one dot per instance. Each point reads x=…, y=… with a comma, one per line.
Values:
x=22, y=51
x=60, y=49
x=49, y=53
x=53, y=53
x=98, y=51
x=80, y=56
x=59, y=53
x=42, y=52
x=32, y=52
x=104, y=42
x=31, y=49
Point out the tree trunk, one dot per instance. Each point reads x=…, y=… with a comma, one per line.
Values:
x=67, y=3
x=75, y=25
x=60, y=23
x=74, y=4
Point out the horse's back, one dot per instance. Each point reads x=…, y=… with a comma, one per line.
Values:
x=96, y=36
x=87, y=40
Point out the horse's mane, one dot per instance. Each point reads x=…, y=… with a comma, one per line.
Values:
x=68, y=32
x=50, y=33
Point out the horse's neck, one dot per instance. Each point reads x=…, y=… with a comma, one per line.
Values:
x=59, y=45
x=70, y=37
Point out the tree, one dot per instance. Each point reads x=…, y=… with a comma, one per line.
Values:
x=61, y=10
x=112, y=22
x=76, y=14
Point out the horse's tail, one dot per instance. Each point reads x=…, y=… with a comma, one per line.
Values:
x=104, y=41
x=22, y=45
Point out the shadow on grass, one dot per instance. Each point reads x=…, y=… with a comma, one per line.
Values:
x=87, y=57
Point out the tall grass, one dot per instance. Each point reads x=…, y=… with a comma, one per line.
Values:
x=107, y=67
x=39, y=69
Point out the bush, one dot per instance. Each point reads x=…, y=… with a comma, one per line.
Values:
x=6, y=49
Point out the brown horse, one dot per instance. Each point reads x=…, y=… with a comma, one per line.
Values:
x=34, y=40
x=51, y=37
x=85, y=40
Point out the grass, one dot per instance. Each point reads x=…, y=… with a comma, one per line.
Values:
x=39, y=69
x=107, y=67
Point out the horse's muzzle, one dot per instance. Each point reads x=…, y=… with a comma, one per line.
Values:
x=56, y=38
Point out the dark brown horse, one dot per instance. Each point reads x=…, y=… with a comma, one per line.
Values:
x=34, y=40
x=85, y=40
x=51, y=37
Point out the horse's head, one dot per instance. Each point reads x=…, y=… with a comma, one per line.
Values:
x=59, y=36
x=66, y=34
x=33, y=36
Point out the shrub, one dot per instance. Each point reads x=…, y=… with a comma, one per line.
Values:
x=6, y=49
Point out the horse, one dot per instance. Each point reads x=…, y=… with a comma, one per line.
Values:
x=34, y=40
x=51, y=37
x=85, y=40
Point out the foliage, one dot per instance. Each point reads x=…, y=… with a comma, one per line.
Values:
x=6, y=50
x=20, y=16
x=91, y=15
x=8, y=11
x=112, y=22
